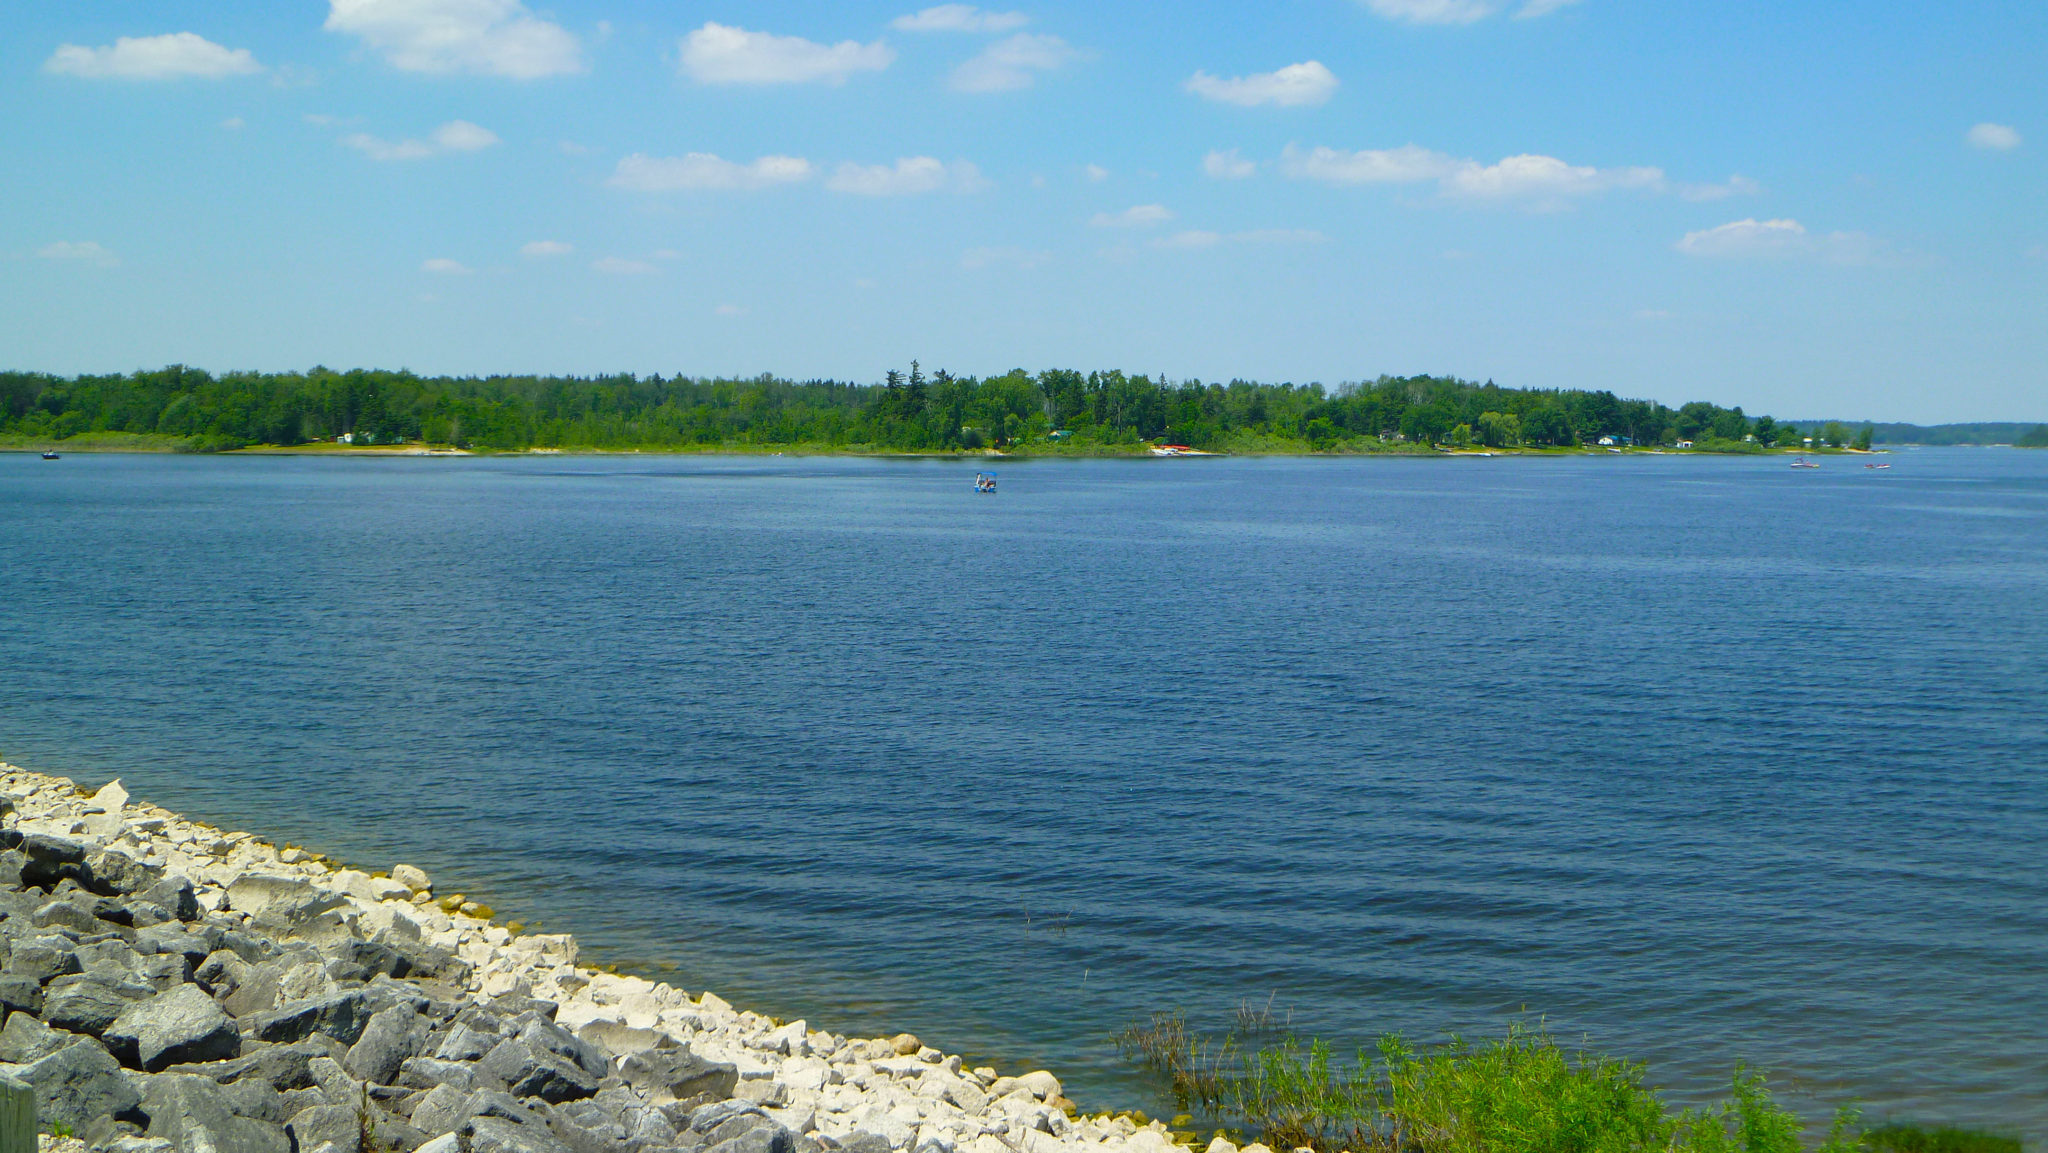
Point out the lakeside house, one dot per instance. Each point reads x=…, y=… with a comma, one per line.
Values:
x=1684, y=444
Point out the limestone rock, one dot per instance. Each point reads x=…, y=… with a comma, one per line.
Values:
x=89, y=1002
x=412, y=877
x=391, y=1036
x=197, y=1116
x=182, y=1026
x=78, y=1083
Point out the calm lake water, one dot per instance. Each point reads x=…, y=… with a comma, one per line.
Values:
x=1700, y=759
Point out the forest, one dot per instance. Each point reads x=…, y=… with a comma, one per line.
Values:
x=1056, y=410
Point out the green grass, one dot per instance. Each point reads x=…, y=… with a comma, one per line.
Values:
x=1519, y=1093
x=1913, y=1139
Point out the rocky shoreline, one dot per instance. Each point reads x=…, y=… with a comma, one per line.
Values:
x=172, y=988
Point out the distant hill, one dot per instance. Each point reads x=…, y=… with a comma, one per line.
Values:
x=1992, y=433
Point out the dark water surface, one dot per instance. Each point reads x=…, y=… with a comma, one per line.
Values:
x=1701, y=759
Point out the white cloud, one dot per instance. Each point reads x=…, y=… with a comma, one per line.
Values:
x=1543, y=178
x=720, y=54
x=1780, y=239
x=1228, y=165
x=701, y=171
x=1008, y=65
x=1538, y=181
x=485, y=37
x=89, y=251
x=233, y=124
x=1536, y=8
x=462, y=136
x=1432, y=11
x=1140, y=216
x=442, y=266
x=1994, y=137
x=454, y=136
x=1095, y=173
x=1021, y=259
x=1307, y=83
x=168, y=57
x=1459, y=11
x=1733, y=186
x=546, y=248
x=1193, y=238
x=959, y=18
x=910, y=176
x=1408, y=164
x=620, y=266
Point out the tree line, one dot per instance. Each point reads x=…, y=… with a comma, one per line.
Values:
x=908, y=411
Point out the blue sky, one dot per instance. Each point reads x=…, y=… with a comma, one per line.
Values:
x=1806, y=209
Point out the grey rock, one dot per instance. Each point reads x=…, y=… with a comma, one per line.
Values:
x=282, y=1067
x=372, y=958
x=763, y=1091
x=26, y=1039
x=42, y=958
x=707, y=1118
x=561, y=1042
x=392, y=1035
x=253, y=949
x=89, y=1002
x=336, y=1086
x=442, y=1110
x=195, y=943
x=429, y=1072
x=110, y=872
x=257, y=988
x=678, y=1074
x=78, y=1083
x=496, y=1135
x=48, y=860
x=113, y=957
x=466, y=1042
x=342, y=1125
x=174, y=895
x=68, y=915
x=252, y=1098
x=862, y=1141
x=771, y=1138
x=528, y=1068
x=198, y=1116
x=341, y=1016
x=736, y=1125
x=180, y=1027
x=21, y=994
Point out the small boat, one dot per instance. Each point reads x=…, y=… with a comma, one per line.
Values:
x=50, y=455
x=985, y=482
x=1886, y=465
x=1802, y=462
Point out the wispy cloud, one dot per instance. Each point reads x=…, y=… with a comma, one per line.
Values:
x=454, y=136
x=959, y=18
x=546, y=248
x=1993, y=137
x=620, y=266
x=1138, y=216
x=910, y=176
x=1459, y=11
x=85, y=251
x=173, y=56
x=1297, y=85
x=1014, y=63
x=704, y=171
x=1780, y=239
x=443, y=266
x=1733, y=186
x=1530, y=180
x=721, y=54
x=481, y=37
x=1228, y=165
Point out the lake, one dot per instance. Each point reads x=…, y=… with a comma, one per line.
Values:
x=1699, y=759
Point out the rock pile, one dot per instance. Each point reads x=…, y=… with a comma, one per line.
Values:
x=171, y=987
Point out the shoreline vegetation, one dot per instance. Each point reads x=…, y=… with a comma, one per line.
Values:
x=1056, y=412
x=1519, y=1093
x=170, y=986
